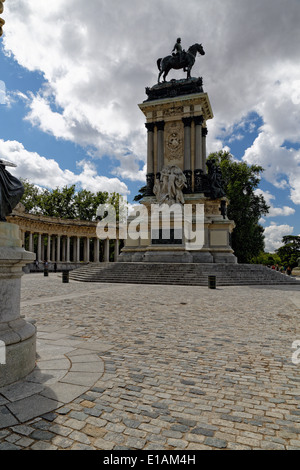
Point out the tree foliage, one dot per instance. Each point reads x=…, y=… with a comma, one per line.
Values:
x=245, y=206
x=66, y=202
x=290, y=251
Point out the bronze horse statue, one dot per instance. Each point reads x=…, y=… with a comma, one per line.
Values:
x=184, y=61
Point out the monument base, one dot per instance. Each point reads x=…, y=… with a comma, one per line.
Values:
x=216, y=233
x=17, y=337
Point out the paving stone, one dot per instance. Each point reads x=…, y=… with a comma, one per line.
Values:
x=7, y=419
x=218, y=443
x=31, y=407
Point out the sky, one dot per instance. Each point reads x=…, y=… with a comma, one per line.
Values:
x=72, y=74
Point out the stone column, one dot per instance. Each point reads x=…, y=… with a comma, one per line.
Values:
x=58, y=249
x=68, y=250
x=49, y=248
x=198, y=164
x=39, y=248
x=53, y=255
x=150, y=159
x=87, y=250
x=96, y=250
x=74, y=249
x=78, y=249
x=160, y=125
x=63, y=258
x=31, y=242
x=204, y=134
x=43, y=248
x=198, y=142
x=116, y=252
x=187, y=154
x=106, y=250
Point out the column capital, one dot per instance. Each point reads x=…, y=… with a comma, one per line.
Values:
x=204, y=131
x=150, y=126
x=198, y=120
x=160, y=125
x=187, y=121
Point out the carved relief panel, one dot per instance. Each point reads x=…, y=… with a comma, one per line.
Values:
x=174, y=143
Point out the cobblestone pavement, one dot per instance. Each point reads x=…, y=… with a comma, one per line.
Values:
x=156, y=367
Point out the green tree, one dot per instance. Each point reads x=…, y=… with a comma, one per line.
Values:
x=31, y=198
x=290, y=251
x=66, y=202
x=245, y=206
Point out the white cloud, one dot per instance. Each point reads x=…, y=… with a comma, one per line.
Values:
x=273, y=236
x=47, y=173
x=97, y=57
x=274, y=211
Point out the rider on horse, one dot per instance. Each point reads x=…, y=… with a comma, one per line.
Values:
x=180, y=54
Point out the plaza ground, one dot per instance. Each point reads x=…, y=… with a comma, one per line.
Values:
x=156, y=367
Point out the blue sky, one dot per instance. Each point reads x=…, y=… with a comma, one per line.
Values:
x=74, y=74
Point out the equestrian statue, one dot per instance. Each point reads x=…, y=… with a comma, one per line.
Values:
x=180, y=59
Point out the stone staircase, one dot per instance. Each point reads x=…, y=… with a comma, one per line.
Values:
x=191, y=274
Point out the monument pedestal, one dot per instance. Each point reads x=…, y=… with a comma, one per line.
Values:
x=178, y=173
x=17, y=337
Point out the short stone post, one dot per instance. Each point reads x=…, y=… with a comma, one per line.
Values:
x=18, y=336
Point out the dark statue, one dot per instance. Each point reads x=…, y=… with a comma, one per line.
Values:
x=215, y=179
x=180, y=60
x=11, y=190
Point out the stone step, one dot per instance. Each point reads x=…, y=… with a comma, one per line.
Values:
x=180, y=273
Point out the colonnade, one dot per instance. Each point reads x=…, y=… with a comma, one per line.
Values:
x=66, y=249
x=63, y=241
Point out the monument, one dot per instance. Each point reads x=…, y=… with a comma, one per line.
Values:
x=17, y=336
x=178, y=172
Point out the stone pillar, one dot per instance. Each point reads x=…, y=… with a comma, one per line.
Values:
x=53, y=258
x=198, y=164
x=18, y=336
x=116, y=252
x=96, y=250
x=31, y=242
x=198, y=142
x=43, y=248
x=187, y=164
x=78, y=249
x=58, y=249
x=63, y=258
x=49, y=248
x=39, y=248
x=204, y=134
x=160, y=125
x=68, y=250
x=74, y=249
x=150, y=159
x=106, y=250
x=87, y=250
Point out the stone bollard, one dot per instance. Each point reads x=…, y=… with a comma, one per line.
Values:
x=17, y=337
x=65, y=277
x=212, y=281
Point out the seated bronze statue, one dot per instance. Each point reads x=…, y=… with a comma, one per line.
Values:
x=11, y=190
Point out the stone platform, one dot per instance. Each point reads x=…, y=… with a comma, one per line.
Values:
x=191, y=274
